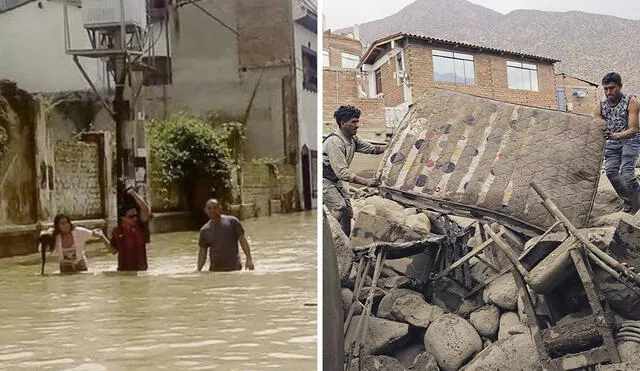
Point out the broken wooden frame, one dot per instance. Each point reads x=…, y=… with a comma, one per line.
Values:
x=377, y=253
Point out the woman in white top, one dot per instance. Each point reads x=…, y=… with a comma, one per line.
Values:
x=70, y=242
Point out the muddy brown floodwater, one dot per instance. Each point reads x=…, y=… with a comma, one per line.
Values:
x=171, y=317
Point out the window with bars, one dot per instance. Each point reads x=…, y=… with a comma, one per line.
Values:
x=309, y=72
x=522, y=76
x=453, y=67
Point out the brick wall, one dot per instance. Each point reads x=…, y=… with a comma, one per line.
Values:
x=393, y=92
x=77, y=186
x=340, y=88
x=491, y=78
x=336, y=44
x=584, y=105
x=260, y=185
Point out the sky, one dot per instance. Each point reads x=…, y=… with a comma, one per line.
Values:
x=346, y=13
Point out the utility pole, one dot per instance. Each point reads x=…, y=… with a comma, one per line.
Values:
x=118, y=32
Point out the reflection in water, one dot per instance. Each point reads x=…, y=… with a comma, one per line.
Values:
x=170, y=317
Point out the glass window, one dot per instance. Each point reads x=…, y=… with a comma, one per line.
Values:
x=349, y=60
x=453, y=67
x=522, y=76
x=325, y=58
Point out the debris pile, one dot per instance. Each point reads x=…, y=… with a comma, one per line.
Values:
x=423, y=290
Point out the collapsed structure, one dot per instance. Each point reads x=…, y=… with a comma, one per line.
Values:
x=479, y=252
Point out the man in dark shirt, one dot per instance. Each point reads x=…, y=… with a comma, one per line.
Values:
x=221, y=235
x=129, y=239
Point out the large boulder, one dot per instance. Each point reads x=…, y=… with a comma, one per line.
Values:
x=347, y=299
x=381, y=363
x=415, y=311
x=387, y=208
x=408, y=354
x=452, y=341
x=425, y=362
x=449, y=295
x=510, y=325
x=344, y=252
x=382, y=337
x=351, y=281
x=502, y=292
x=486, y=320
x=386, y=304
x=629, y=352
x=400, y=282
x=516, y=352
x=622, y=300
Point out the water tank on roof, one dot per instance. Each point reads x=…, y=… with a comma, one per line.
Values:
x=105, y=13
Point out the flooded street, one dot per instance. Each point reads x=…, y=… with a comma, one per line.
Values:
x=170, y=317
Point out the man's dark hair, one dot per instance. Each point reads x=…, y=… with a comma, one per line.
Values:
x=346, y=113
x=612, y=77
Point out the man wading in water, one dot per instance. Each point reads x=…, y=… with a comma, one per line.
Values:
x=221, y=235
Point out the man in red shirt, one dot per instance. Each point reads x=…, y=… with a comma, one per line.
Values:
x=130, y=237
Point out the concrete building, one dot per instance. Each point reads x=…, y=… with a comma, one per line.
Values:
x=255, y=64
x=400, y=67
x=343, y=83
x=576, y=95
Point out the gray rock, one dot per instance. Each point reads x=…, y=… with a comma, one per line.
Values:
x=502, y=292
x=449, y=296
x=505, y=354
x=408, y=354
x=378, y=294
x=510, y=325
x=452, y=341
x=486, y=320
x=386, y=304
x=425, y=362
x=415, y=311
x=344, y=253
x=379, y=363
x=383, y=336
x=347, y=298
x=629, y=352
x=401, y=282
x=387, y=208
x=351, y=281
x=418, y=221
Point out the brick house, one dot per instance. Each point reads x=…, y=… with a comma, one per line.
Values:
x=401, y=66
x=344, y=84
x=576, y=95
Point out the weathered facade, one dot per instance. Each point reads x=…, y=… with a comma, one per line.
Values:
x=576, y=95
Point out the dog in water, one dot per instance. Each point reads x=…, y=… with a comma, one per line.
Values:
x=46, y=243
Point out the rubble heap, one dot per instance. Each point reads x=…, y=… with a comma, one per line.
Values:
x=437, y=309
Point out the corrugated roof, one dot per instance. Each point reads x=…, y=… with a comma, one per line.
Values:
x=400, y=35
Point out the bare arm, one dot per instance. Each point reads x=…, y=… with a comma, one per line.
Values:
x=632, y=130
x=247, y=252
x=202, y=258
x=145, y=211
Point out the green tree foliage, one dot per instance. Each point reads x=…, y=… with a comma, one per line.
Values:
x=187, y=150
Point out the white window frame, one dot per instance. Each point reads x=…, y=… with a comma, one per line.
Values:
x=455, y=56
x=349, y=57
x=529, y=72
x=400, y=70
x=326, y=60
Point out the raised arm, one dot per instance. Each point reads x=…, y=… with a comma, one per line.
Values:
x=145, y=211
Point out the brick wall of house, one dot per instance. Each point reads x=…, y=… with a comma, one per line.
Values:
x=77, y=184
x=340, y=88
x=491, y=78
x=336, y=44
x=393, y=92
x=584, y=105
